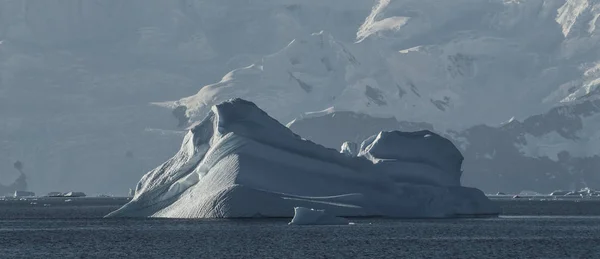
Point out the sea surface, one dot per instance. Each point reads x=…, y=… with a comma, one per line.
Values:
x=528, y=228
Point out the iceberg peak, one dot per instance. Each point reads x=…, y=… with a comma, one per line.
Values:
x=240, y=162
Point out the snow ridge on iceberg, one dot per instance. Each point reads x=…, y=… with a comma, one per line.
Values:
x=239, y=162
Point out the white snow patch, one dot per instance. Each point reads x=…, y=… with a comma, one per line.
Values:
x=593, y=22
x=349, y=149
x=405, y=51
x=329, y=110
x=374, y=24
x=509, y=121
x=569, y=12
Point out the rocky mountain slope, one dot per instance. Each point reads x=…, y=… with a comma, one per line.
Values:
x=551, y=151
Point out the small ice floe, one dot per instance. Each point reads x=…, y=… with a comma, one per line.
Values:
x=306, y=216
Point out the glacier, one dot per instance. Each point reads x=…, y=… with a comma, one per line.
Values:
x=238, y=162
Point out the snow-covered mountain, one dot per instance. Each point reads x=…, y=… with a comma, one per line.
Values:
x=482, y=62
x=546, y=152
x=78, y=77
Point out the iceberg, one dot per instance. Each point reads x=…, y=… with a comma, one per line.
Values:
x=238, y=162
x=306, y=216
x=585, y=192
x=54, y=194
x=74, y=194
x=19, y=194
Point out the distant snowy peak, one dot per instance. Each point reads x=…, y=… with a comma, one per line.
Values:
x=311, y=74
x=307, y=72
x=538, y=53
x=375, y=23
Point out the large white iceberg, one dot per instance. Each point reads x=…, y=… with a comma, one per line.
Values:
x=239, y=162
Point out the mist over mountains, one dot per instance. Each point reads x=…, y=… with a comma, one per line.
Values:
x=95, y=93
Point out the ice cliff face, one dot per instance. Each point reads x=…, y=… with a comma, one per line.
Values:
x=239, y=162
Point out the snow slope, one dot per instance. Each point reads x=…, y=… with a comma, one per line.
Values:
x=239, y=162
x=482, y=62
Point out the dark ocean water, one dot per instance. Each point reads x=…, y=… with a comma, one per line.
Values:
x=76, y=230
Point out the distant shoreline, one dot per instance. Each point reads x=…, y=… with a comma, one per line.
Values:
x=97, y=207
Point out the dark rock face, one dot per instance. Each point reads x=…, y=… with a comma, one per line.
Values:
x=493, y=159
x=375, y=95
x=179, y=114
